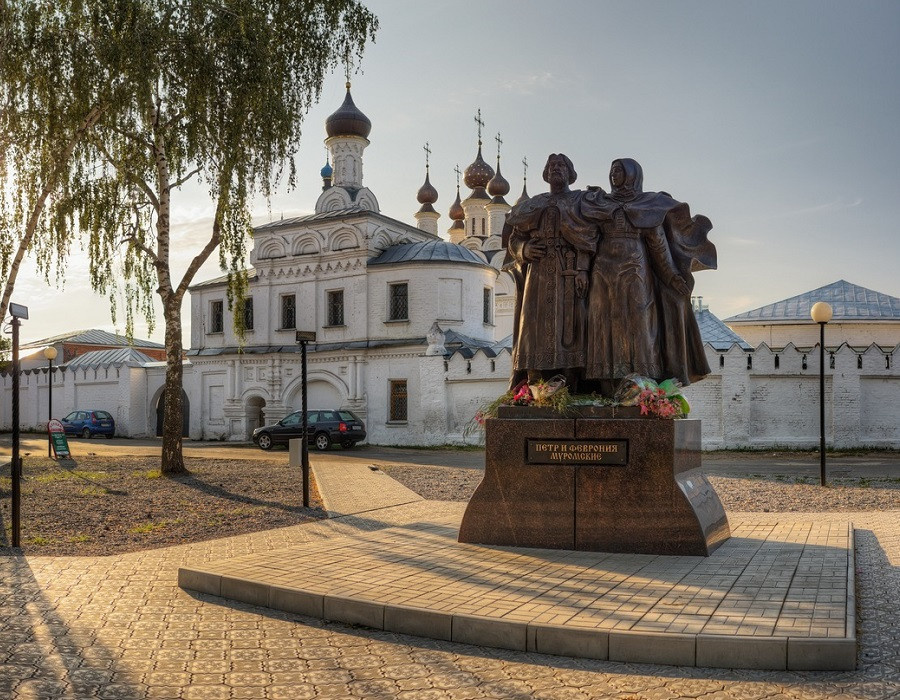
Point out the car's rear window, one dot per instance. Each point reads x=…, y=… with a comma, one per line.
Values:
x=101, y=414
x=346, y=415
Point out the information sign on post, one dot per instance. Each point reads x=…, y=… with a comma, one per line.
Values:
x=58, y=438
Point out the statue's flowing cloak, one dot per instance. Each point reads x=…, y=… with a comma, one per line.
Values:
x=549, y=324
x=680, y=346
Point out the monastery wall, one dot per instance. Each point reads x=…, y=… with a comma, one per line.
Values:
x=760, y=399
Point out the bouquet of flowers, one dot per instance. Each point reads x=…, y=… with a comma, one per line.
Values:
x=551, y=393
x=663, y=400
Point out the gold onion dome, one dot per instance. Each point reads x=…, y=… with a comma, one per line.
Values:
x=348, y=120
x=498, y=186
x=479, y=173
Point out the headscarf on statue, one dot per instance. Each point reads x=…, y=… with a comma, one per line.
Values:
x=683, y=354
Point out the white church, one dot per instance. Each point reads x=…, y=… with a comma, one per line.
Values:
x=413, y=333
x=392, y=306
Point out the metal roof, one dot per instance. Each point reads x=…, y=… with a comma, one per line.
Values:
x=251, y=277
x=353, y=212
x=716, y=333
x=101, y=358
x=93, y=336
x=467, y=347
x=428, y=252
x=850, y=302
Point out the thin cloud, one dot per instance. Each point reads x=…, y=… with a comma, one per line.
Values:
x=530, y=84
x=839, y=204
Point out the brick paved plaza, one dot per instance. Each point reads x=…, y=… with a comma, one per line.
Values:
x=120, y=627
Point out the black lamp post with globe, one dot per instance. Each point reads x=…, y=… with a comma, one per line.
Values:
x=50, y=353
x=821, y=313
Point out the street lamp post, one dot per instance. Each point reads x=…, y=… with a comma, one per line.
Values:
x=304, y=337
x=821, y=313
x=18, y=312
x=50, y=353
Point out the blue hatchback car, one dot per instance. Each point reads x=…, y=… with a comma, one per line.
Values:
x=89, y=423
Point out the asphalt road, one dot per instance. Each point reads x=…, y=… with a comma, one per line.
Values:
x=872, y=464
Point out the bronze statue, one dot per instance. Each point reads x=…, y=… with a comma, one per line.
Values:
x=634, y=313
x=551, y=247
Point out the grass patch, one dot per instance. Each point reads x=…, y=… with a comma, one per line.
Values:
x=149, y=474
x=79, y=539
x=39, y=541
x=145, y=528
x=50, y=477
x=94, y=491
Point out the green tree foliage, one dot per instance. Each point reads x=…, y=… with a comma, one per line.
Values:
x=206, y=90
x=53, y=91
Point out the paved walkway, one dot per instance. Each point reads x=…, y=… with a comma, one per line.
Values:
x=119, y=627
x=351, y=489
x=774, y=596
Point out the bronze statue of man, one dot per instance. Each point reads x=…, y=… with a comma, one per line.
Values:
x=640, y=317
x=550, y=247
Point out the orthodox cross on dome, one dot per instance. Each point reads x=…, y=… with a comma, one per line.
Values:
x=499, y=143
x=480, y=122
x=458, y=173
x=525, y=167
x=348, y=63
x=427, y=150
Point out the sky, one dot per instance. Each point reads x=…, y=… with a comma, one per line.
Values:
x=779, y=121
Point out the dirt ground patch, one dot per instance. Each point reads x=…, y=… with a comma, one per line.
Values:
x=111, y=505
x=754, y=492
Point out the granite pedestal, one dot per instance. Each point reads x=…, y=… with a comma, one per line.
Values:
x=600, y=484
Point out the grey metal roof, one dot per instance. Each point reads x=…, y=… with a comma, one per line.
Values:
x=223, y=280
x=716, y=333
x=428, y=252
x=353, y=212
x=467, y=347
x=93, y=336
x=101, y=358
x=850, y=302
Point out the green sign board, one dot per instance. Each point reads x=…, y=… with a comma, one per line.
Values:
x=58, y=438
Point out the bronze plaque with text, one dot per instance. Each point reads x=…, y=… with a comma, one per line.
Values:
x=604, y=453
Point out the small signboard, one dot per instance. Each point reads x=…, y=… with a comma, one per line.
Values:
x=578, y=452
x=58, y=438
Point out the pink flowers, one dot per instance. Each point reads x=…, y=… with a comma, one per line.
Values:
x=522, y=395
x=656, y=402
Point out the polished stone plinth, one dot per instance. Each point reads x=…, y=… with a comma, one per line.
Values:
x=648, y=498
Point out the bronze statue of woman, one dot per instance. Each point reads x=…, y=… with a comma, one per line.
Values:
x=640, y=318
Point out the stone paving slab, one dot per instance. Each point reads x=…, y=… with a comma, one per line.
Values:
x=777, y=595
x=358, y=488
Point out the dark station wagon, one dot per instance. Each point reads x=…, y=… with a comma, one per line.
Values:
x=325, y=428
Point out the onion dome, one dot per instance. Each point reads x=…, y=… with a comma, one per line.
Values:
x=456, y=210
x=348, y=120
x=427, y=195
x=479, y=173
x=498, y=186
x=327, y=172
x=524, y=195
x=457, y=213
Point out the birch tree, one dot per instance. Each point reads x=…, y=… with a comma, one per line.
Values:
x=211, y=91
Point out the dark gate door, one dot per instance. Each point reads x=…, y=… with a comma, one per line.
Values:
x=161, y=412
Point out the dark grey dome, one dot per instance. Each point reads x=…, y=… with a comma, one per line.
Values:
x=348, y=120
